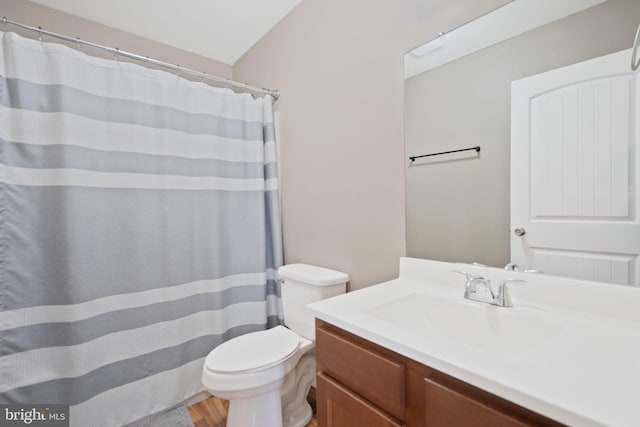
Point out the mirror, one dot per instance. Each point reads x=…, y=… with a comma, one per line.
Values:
x=458, y=96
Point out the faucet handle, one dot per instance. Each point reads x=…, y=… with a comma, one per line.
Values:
x=503, y=298
x=471, y=285
x=470, y=277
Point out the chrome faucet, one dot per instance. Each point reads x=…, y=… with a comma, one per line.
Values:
x=478, y=288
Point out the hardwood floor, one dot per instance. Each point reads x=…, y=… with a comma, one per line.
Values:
x=212, y=412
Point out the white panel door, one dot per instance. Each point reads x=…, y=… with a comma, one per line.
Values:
x=574, y=171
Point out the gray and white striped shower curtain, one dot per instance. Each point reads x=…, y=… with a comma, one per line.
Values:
x=139, y=228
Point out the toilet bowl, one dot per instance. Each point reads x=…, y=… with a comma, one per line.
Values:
x=250, y=372
x=266, y=375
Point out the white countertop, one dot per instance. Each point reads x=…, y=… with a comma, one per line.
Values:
x=568, y=349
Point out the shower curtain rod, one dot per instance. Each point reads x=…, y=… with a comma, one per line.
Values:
x=179, y=69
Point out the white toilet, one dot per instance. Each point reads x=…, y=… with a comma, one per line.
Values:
x=266, y=375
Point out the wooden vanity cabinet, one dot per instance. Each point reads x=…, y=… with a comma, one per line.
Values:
x=363, y=384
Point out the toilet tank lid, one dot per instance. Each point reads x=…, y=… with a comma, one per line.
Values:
x=318, y=276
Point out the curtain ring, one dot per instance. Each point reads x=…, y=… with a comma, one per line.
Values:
x=39, y=33
x=4, y=23
x=115, y=54
x=635, y=61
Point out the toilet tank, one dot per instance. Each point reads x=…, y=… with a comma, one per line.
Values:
x=302, y=284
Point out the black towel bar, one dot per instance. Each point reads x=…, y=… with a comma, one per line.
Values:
x=476, y=148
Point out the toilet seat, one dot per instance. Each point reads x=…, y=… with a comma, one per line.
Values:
x=254, y=351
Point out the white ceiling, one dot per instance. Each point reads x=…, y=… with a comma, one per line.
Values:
x=219, y=29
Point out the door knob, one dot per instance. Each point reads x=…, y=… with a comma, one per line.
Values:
x=519, y=231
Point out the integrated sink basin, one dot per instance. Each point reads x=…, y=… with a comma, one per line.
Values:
x=482, y=326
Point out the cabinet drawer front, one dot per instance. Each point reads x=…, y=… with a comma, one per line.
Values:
x=363, y=370
x=339, y=407
x=445, y=407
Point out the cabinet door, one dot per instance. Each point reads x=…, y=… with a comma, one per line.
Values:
x=445, y=407
x=368, y=370
x=340, y=407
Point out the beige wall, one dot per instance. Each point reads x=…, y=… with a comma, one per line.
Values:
x=36, y=15
x=339, y=66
